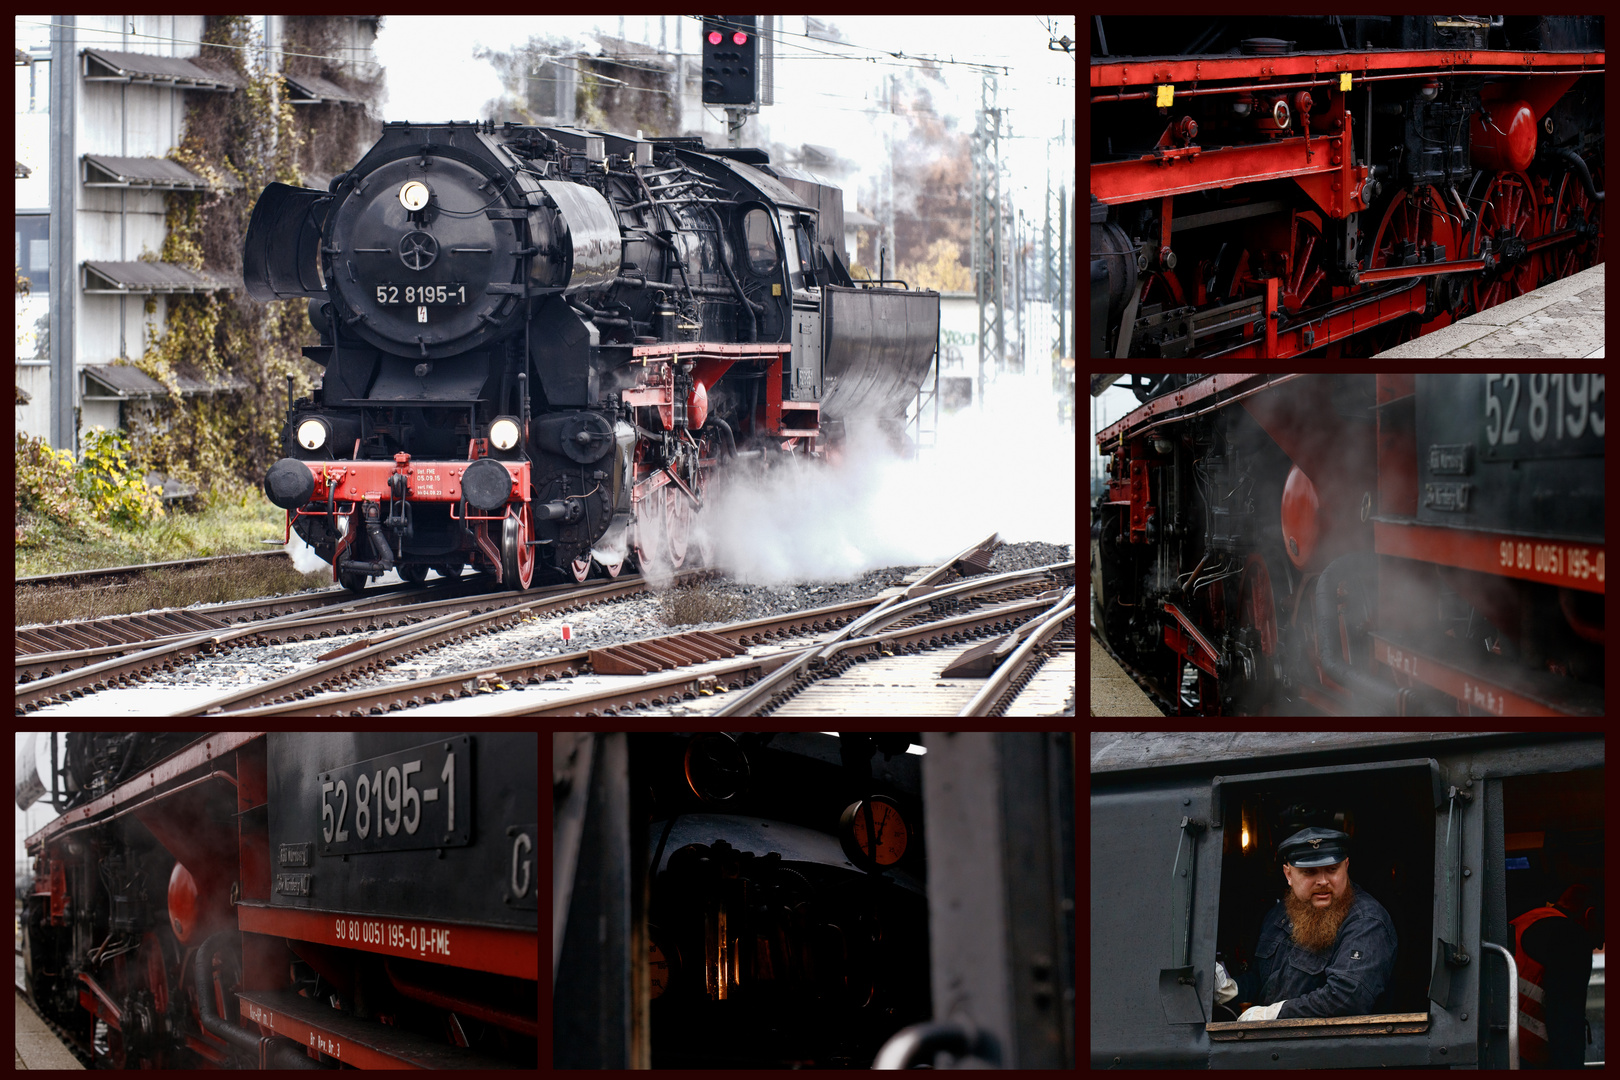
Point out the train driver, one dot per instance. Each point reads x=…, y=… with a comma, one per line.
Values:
x=1328, y=949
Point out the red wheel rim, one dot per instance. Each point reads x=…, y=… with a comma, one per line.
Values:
x=1508, y=208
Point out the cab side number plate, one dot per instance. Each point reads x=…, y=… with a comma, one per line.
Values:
x=417, y=798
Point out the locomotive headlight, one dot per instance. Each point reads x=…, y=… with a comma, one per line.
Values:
x=413, y=195
x=312, y=434
x=504, y=432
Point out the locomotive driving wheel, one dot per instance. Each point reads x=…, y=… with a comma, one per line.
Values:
x=1572, y=208
x=517, y=556
x=664, y=527
x=1414, y=226
x=1505, y=209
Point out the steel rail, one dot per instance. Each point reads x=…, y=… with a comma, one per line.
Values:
x=648, y=691
x=139, y=665
x=342, y=616
x=757, y=695
x=108, y=633
x=396, y=697
x=73, y=577
x=434, y=632
x=1036, y=635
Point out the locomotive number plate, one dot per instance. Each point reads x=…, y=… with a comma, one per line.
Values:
x=417, y=798
x=422, y=294
x=1542, y=415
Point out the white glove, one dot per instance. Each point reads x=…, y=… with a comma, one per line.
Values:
x=1262, y=1012
x=1225, y=988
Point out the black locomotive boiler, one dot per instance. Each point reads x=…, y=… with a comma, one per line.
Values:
x=284, y=900
x=539, y=344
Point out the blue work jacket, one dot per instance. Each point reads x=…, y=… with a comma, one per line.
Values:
x=1346, y=980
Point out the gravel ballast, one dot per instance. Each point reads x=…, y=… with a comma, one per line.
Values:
x=613, y=623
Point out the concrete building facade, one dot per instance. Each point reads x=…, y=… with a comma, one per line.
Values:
x=101, y=101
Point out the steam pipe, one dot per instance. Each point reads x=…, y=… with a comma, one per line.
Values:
x=1568, y=155
x=726, y=436
x=278, y=1052
x=1386, y=696
x=750, y=328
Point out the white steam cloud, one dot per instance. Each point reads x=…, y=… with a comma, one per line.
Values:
x=304, y=559
x=1010, y=471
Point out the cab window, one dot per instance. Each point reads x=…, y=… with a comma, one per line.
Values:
x=1389, y=817
x=761, y=241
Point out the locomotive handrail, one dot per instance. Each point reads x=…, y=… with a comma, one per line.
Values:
x=204, y=750
x=1513, y=1002
x=149, y=796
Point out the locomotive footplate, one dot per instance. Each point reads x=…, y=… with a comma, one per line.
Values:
x=1493, y=690
x=361, y=1043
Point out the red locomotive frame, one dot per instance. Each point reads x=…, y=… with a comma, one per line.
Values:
x=1323, y=163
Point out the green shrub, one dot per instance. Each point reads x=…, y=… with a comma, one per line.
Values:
x=115, y=489
x=45, y=483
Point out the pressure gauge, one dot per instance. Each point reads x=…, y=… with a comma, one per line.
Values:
x=414, y=195
x=873, y=832
x=716, y=767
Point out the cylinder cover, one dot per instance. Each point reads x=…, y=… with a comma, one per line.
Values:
x=183, y=913
x=1508, y=142
x=1301, y=521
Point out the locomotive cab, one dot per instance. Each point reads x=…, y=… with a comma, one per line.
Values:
x=812, y=900
x=1457, y=835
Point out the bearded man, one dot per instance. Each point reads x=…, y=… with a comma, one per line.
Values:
x=1328, y=949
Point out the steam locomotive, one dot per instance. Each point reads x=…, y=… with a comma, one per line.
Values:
x=1394, y=544
x=1338, y=190
x=286, y=900
x=540, y=343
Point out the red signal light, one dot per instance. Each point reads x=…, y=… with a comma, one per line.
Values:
x=715, y=37
x=739, y=38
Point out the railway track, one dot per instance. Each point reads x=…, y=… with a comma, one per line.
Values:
x=690, y=673
x=686, y=676
x=412, y=619
x=117, y=575
x=111, y=634
x=923, y=624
